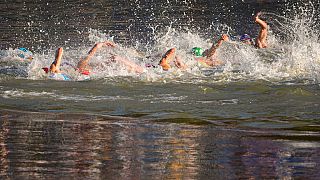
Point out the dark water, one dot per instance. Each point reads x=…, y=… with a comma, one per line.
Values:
x=252, y=123
x=38, y=24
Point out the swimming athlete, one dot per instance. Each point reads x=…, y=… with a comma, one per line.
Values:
x=261, y=40
x=170, y=58
x=83, y=65
x=24, y=54
x=207, y=57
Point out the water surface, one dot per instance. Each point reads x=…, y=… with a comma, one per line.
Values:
x=256, y=117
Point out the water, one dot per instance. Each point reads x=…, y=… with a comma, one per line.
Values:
x=257, y=116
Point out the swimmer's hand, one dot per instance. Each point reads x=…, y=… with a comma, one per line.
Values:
x=225, y=37
x=257, y=15
x=106, y=43
x=109, y=43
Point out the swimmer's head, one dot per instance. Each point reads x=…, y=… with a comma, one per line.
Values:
x=85, y=72
x=45, y=69
x=245, y=38
x=197, y=51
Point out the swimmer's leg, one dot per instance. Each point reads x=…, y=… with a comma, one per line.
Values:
x=129, y=64
x=55, y=66
x=261, y=41
x=166, y=58
x=83, y=63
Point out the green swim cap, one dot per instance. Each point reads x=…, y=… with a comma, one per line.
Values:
x=197, y=51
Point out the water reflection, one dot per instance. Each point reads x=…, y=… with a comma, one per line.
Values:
x=85, y=146
x=4, y=130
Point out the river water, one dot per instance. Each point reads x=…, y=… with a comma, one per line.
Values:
x=254, y=117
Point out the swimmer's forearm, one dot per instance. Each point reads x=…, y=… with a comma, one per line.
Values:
x=214, y=47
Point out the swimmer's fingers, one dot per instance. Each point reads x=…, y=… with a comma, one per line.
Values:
x=225, y=37
x=257, y=15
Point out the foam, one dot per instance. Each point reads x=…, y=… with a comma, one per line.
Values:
x=292, y=54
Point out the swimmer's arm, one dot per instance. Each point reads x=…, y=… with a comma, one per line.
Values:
x=261, y=41
x=214, y=47
x=98, y=46
x=55, y=66
x=84, y=62
x=129, y=64
x=109, y=43
x=178, y=62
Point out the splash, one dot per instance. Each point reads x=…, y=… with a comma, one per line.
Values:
x=293, y=53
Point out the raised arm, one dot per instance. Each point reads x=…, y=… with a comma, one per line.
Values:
x=212, y=51
x=55, y=66
x=261, y=41
x=83, y=63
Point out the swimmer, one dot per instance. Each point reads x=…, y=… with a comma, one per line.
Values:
x=207, y=57
x=55, y=66
x=54, y=70
x=261, y=41
x=83, y=66
x=24, y=54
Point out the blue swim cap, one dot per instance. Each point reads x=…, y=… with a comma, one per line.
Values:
x=23, y=49
x=25, y=53
x=245, y=37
